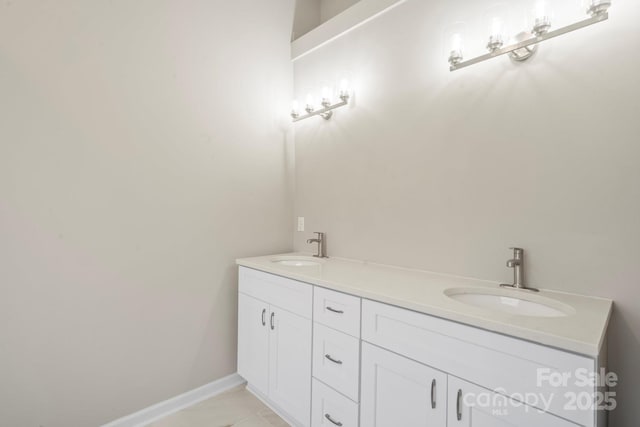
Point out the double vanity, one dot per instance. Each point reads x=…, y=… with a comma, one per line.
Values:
x=343, y=343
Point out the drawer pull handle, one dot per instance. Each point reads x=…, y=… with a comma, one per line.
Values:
x=433, y=394
x=338, y=423
x=336, y=361
x=459, y=405
x=264, y=311
x=272, y=324
x=333, y=310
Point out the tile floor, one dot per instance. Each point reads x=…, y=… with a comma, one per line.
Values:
x=235, y=408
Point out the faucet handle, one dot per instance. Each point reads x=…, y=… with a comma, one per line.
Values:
x=517, y=250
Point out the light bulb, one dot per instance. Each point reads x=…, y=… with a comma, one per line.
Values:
x=295, y=109
x=495, y=39
x=326, y=96
x=541, y=9
x=344, y=88
x=496, y=27
x=455, y=57
x=456, y=42
x=309, y=107
x=542, y=22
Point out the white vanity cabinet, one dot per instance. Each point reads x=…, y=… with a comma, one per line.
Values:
x=323, y=358
x=274, y=341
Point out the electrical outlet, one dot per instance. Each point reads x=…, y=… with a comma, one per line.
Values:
x=300, y=223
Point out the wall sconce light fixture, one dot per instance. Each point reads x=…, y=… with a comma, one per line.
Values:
x=327, y=106
x=525, y=43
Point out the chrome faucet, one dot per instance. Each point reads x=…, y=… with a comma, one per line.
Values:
x=322, y=245
x=517, y=263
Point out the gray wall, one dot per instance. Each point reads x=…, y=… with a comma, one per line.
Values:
x=331, y=8
x=307, y=17
x=309, y=14
x=444, y=171
x=141, y=151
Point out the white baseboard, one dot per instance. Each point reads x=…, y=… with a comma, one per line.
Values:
x=184, y=400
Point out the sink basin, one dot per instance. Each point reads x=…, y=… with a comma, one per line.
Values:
x=298, y=261
x=509, y=301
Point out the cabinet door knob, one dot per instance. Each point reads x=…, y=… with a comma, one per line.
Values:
x=264, y=311
x=336, y=361
x=273, y=326
x=459, y=405
x=337, y=423
x=333, y=310
x=433, y=394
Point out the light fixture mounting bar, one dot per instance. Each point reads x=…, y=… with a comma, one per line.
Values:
x=533, y=40
x=325, y=112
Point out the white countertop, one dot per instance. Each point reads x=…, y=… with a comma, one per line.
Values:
x=582, y=332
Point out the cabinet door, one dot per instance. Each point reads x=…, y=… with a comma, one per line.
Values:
x=290, y=363
x=473, y=406
x=400, y=392
x=253, y=341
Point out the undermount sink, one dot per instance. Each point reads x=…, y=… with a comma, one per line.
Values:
x=510, y=301
x=297, y=261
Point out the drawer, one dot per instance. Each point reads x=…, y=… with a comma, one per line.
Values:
x=330, y=409
x=491, y=360
x=288, y=294
x=337, y=310
x=336, y=360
